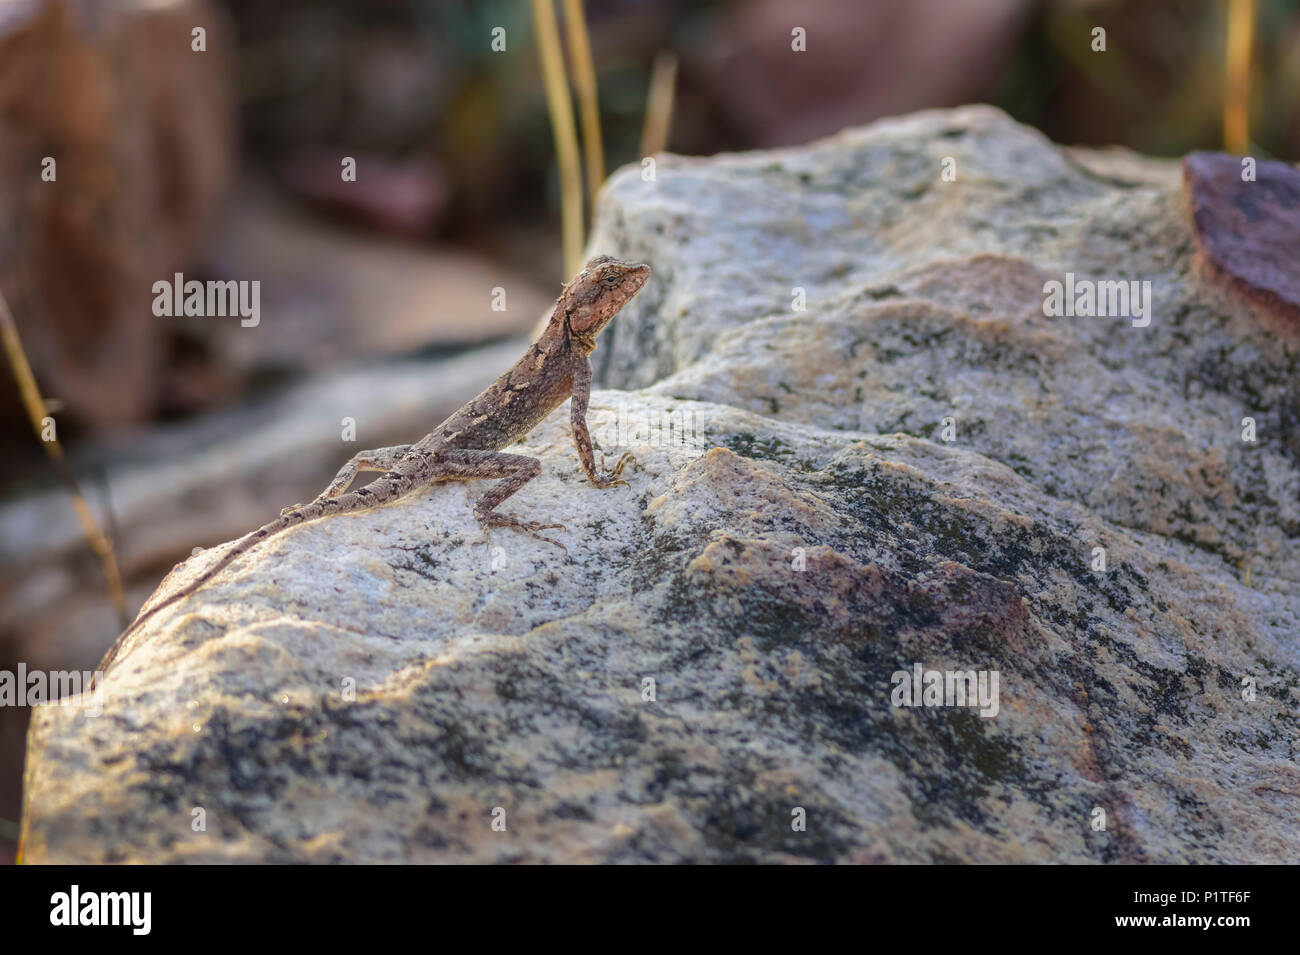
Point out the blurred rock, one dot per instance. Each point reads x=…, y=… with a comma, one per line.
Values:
x=399, y=197
x=1248, y=231
x=772, y=577
x=139, y=126
x=862, y=61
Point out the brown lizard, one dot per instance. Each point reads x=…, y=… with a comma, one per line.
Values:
x=467, y=446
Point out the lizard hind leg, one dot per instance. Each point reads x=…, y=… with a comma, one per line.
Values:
x=515, y=470
x=380, y=459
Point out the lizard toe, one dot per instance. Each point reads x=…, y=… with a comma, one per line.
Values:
x=550, y=540
x=533, y=527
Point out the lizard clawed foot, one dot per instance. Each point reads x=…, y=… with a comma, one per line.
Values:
x=492, y=519
x=286, y=511
x=611, y=478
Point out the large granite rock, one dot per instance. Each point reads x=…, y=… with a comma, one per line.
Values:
x=815, y=533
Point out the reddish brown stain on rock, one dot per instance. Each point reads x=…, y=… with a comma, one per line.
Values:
x=1248, y=233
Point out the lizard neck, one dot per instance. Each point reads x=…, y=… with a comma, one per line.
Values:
x=582, y=341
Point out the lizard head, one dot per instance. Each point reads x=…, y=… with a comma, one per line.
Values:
x=596, y=294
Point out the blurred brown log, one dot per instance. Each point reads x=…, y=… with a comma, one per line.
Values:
x=139, y=126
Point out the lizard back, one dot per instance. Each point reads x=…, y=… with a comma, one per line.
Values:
x=512, y=405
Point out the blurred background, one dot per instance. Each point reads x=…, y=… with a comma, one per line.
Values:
x=377, y=294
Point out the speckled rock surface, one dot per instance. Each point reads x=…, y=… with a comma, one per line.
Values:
x=815, y=533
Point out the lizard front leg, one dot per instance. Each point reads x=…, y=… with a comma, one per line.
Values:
x=467, y=464
x=582, y=438
x=380, y=459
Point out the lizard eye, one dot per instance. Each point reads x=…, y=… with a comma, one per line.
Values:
x=609, y=281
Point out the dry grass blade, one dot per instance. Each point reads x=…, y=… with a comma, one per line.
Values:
x=566, y=136
x=584, y=82
x=659, y=104
x=1236, y=94
x=34, y=404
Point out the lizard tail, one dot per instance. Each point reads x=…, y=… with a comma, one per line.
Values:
x=241, y=547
